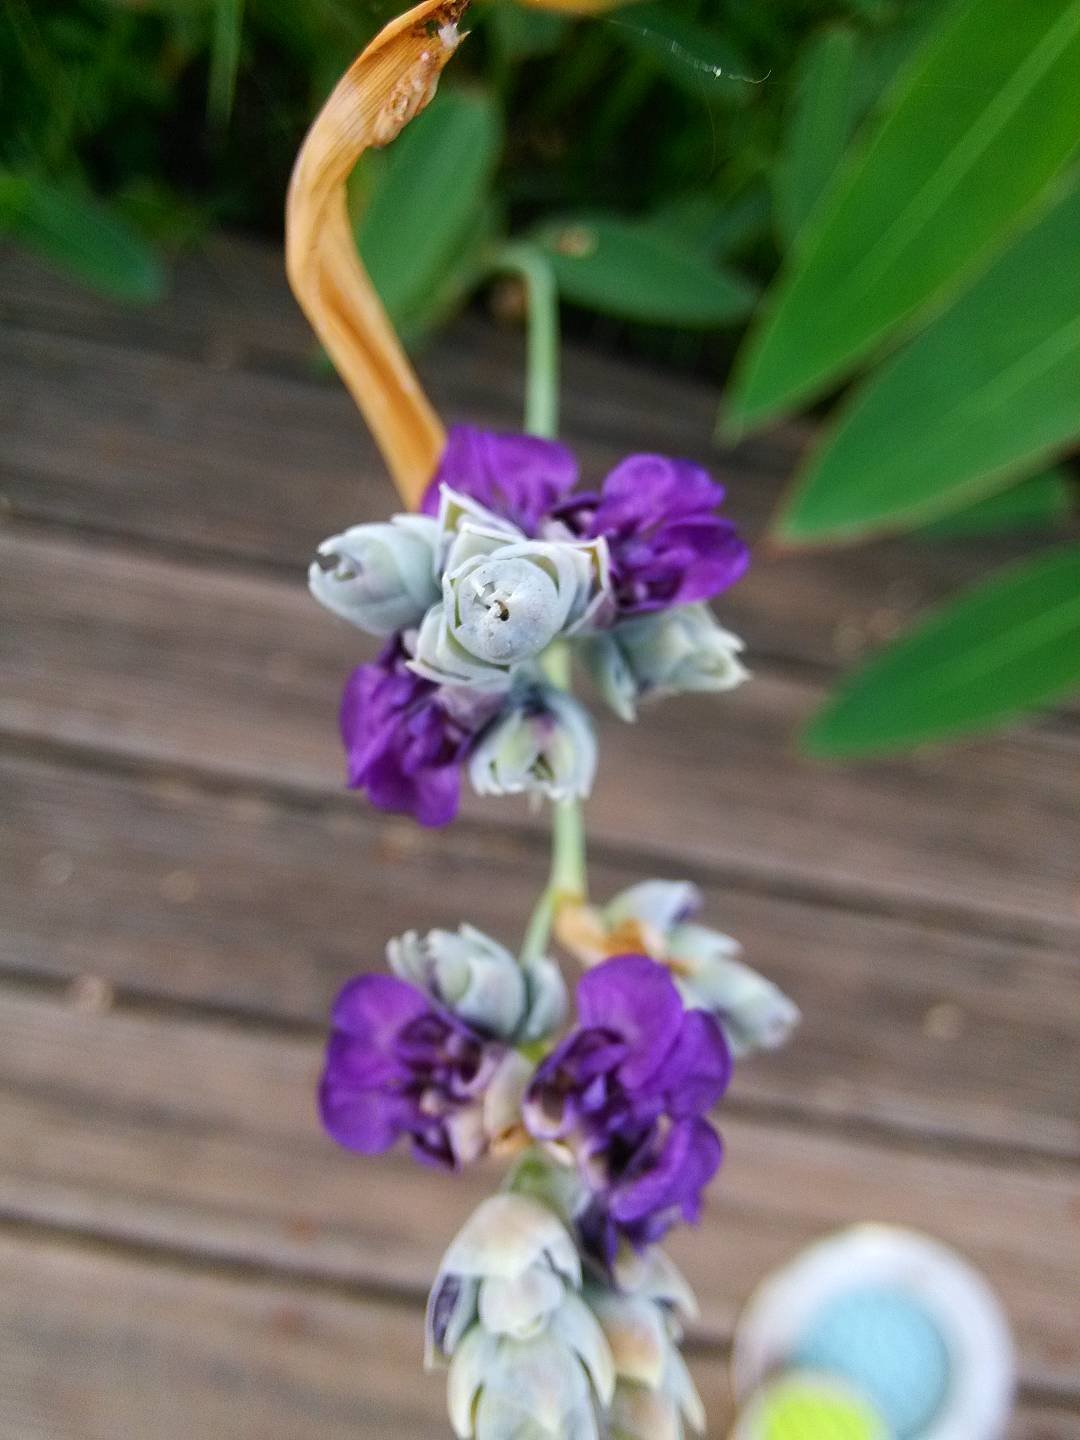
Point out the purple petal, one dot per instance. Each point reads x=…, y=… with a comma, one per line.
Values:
x=368, y=1121
x=520, y=477
x=357, y=1065
x=401, y=745
x=431, y=795
x=673, y=1179
x=698, y=1067
x=374, y=1008
x=649, y=490
x=635, y=998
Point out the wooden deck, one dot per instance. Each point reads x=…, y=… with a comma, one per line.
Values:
x=184, y=885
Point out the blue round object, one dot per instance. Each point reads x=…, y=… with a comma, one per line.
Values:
x=885, y=1344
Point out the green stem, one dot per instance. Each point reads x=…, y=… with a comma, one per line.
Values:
x=568, y=825
x=538, y=930
x=542, y=336
x=567, y=878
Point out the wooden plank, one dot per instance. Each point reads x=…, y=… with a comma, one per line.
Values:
x=100, y=1345
x=230, y=309
x=167, y=1131
x=263, y=466
x=245, y=903
x=226, y=304
x=239, y=676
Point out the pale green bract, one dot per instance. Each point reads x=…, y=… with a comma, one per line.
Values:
x=381, y=577
x=542, y=743
x=540, y=1350
x=680, y=650
x=482, y=982
x=505, y=598
x=527, y=1356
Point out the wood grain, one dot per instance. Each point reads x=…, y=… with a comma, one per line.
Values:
x=99, y=1344
x=249, y=904
x=239, y=675
x=185, y=884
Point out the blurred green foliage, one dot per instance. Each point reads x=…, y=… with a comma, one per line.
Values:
x=171, y=117
x=882, y=193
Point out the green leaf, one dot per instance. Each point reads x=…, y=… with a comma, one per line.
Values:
x=1011, y=643
x=714, y=226
x=523, y=34
x=225, y=38
x=692, y=56
x=1042, y=502
x=989, y=391
x=819, y=129
x=79, y=235
x=423, y=208
x=612, y=265
x=457, y=281
x=979, y=122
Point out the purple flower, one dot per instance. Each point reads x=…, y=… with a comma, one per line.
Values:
x=626, y=1093
x=668, y=546
x=398, y=1064
x=519, y=477
x=403, y=745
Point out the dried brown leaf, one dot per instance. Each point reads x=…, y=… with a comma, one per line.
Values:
x=390, y=83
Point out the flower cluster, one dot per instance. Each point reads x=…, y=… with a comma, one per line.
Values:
x=505, y=560
x=541, y=1347
x=556, y=1311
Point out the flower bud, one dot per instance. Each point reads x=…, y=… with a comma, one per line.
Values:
x=528, y=1357
x=505, y=598
x=381, y=578
x=482, y=982
x=657, y=917
x=672, y=651
x=655, y=1397
x=464, y=527
x=543, y=743
x=754, y=1013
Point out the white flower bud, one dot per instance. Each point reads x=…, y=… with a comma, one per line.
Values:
x=505, y=608
x=483, y=982
x=507, y=1234
x=654, y=1394
x=527, y=1357
x=468, y=972
x=465, y=527
x=535, y=1390
x=672, y=651
x=543, y=743
x=754, y=1013
x=380, y=577
x=505, y=598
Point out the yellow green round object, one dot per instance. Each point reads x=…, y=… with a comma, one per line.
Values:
x=798, y=1409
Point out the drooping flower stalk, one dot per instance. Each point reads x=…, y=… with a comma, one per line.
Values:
x=389, y=84
x=557, y=1314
